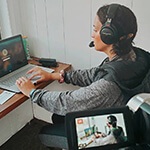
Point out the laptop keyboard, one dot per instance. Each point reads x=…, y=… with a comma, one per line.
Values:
x=12, y=80
x=8, y=82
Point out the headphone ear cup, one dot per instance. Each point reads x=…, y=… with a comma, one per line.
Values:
x=109, y=34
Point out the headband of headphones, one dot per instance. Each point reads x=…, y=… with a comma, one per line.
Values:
x=108, y=32
x=111, y=12
x=111, y=119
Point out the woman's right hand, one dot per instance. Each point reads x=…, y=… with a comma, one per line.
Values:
x=42, y=75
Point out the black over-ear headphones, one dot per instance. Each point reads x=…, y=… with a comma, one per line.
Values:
x=112, y=120
x=108, y=32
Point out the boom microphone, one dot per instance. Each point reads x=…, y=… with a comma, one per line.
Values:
x=91, y=44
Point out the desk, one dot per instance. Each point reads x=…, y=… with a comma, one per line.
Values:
x=18, y=99
x=18, y=111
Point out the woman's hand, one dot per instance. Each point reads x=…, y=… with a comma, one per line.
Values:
x=42, y=75
x=93, y=138
x=25, y=85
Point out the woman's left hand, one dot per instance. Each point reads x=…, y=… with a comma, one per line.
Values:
x=25, y=85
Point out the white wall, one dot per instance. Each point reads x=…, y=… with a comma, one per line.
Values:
x=142, y=10
x=62, y=29
x=5, y=19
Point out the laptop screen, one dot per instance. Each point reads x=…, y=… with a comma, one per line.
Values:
x=100, y=129
x=12, y=55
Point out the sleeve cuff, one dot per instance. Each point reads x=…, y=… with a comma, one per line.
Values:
x=31, y=93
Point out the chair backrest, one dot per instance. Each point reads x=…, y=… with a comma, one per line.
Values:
x=140, y=105
x=142, y=125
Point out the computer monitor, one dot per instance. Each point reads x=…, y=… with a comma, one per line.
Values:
x=110, y=128
x=12, y=55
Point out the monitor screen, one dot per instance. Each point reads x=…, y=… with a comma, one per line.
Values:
x=12, y=54
x=107, y=128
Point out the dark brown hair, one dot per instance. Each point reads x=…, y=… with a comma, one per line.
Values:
x=125, y=22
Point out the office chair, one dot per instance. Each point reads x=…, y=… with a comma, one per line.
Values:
x=142, y=118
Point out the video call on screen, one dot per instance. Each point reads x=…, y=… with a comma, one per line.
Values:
x=96, y=130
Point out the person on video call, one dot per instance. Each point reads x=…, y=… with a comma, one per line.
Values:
x=111, y=83
x=115, y=134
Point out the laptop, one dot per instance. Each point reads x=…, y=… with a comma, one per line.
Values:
x=14, y=63
x=82, y=128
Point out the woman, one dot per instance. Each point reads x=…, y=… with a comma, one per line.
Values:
x=110, y=84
